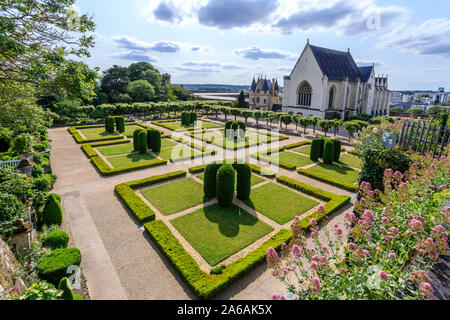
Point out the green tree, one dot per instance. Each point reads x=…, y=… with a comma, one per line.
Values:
x=304, y=122
x=141, y=91
x=241, y=100
x=257, y=115
x=115, y=81
x=246, y=113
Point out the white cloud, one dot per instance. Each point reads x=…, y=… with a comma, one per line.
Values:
x=256, y=53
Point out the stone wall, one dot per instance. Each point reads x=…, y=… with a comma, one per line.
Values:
x=8, y=266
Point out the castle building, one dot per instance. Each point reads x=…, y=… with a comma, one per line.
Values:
x=264, y=95
x=328, y=83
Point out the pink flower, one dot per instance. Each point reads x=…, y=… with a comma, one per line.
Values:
x=366, y=252
x=315, y=285
x=398, y=175
x=342, y=271
x=394, y=230
x=383, y=275
x=384, y=220
x=383, y=229
x=321, y=209
x=426, y=290
x=313, y=222
x=351, y=246
x=378, y=249
x=297, y=251
x=416, y=198
x=314, y=265
x=272, y=257
x=275, y=296
x=338, y=231
x=392, y=255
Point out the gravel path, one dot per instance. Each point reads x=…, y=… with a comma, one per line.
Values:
x=119, y=261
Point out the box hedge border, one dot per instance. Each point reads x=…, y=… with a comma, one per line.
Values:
x=326, y=179
x=140, y=210
x=263, y=155
x=161, y=123
x=76, y=135
x=255, y=169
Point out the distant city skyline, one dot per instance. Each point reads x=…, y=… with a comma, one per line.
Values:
x=230, y=41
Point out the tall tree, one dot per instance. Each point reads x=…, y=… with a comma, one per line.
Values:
x=115, y=81
x=241, y=100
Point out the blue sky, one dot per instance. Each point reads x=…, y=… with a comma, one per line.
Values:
x=230, y=41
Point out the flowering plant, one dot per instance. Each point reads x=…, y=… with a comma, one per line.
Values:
x=390, y=246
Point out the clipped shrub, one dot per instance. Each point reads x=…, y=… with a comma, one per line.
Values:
x=210, y=180
x=243, y=127
x=154, y=140
x=322, y=143
x=244, y=177
x=193, y=117
x=337, y=149
x=186, y=118
x=328, y=151
x=66, y=288
x=225, y=185
x=52, y=213
x=136, y=139
x=143, y=144
x=109, y=124
x=120, y=124
x=53, y=266
x=56, y=240
x=316, y=146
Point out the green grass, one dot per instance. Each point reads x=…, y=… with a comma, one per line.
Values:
x=351, y=161
x=254, y=181
x=303, y=150
x=292, y=158
x=178, y=152
x=96, y=133
x=217, y=233
x=131, y=159
x=279, y=203
x=116, y=149
x=176, y=125
x=175, y=196
x=129, y=129
x=165, y=143
x=336, y=172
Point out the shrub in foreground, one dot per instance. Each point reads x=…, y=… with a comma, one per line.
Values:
x=52, y=213
x=143, y=144
x=244, y=177
x=54, y=266
x=328, y=151
x=55, y=240
x=210, y=180
x=225, y=185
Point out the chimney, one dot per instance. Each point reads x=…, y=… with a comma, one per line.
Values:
x=273, y=86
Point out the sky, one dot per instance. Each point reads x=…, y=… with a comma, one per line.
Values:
x=231, y=41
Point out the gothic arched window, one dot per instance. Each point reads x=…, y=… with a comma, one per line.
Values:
x=331, y=99
x=304, y=95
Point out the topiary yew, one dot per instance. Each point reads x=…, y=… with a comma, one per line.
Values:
x=120, y=124
x=154, y=140
x=193, y=117
x=328, y=151
x=136, y=139
x=66, y=288
x=109, y=124
x=244, y=177
x=210, y=180
x=52, y=213
x=56, y=240
x=337, y=149
x=143, y=146
x=225, y=185
x=316, y=145
x=53, y=266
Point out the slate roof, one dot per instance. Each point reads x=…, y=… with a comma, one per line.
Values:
x=253, y=86
x=336, y=64
x=277, y=87
x=267, y=86
x=365, y=73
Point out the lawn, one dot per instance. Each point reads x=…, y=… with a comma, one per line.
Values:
x=129, y=130
x=217, y=233
x=279, y=203
x=96, y=133
x=292, y=158
x=175, y=196
x=336, y=172
x=116, y=149
x=351, y=161
x=254, y=181
x=176, y=125
x=165, y=143
x=131, y=159
x=180, y=151
x=303, y=150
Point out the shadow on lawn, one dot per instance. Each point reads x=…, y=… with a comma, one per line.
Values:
x=229, y=219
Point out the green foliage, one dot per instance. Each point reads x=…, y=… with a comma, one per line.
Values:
x=64, y=286
x=325, y=125
x=244, y=177
x=328, y=151
x=143, y=143
x=22, y=143
x=210, y=180
x=110, y=124
x=225, y=185
x=396, y=109
x=141, y=91
x=241, y=100
x=193, y=117
x=56, y=240
x=53, y=266
x=154, y=139
x=329, y=180
x=337, y=149
x=42, y=291
x=316, y=146
x=136, y=139
x=138, y=208
x=415, y=111
x=52, y=213
x=186, y=118
x=120, y=124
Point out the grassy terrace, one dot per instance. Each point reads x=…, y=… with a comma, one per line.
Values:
x=279, y=203
x=217, y=233
x=336, y=172
x=254, y=181
x=175, y=125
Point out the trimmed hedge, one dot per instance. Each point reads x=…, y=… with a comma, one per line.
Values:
x=106, y=170
x=53, y=266
x=76, y=135
x=193, y=117
x=134, y=203
x=337, y=149
x=316, y=145
x=109, y=124
x=255, y=169
x=120, y=124
x=335, y=202
x=328, y=151
x=88, y=149
x=154, y=140
x=136, y=139
x=52, y=213
x=205, y=285
x=244, y=177
x=55, y=240
x=142, y=142
x=326, y=179
x=225, y=185
x=64, y=285
x=210, y=180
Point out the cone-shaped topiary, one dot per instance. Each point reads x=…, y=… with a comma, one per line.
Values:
x=109, y=124
x=316, y=145
x=120, y=124
x=337, y=149
x=210, y=180
x=142, y=142
x=136, y=139
x=244, y=177
x=328, y=151
x=55, y=240
x=225, y=185
x=66, y=288
x=52, y=213
x=154, y=140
